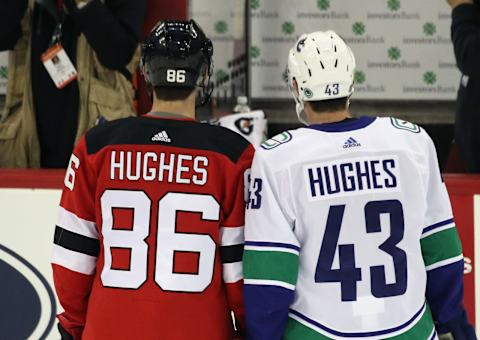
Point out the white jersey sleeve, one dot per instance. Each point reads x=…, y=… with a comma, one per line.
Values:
x=438, y=208
x=441, y=246
x=271, y=251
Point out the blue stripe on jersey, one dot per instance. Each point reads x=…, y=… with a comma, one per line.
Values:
x=272, y=244
x=433, y=335
x=437, y=225
x=266, y=311
x=359, y=334
x=445, y=291
x=346, y=125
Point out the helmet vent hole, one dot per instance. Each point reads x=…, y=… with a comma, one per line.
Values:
x=310, y=72
x=323, y=67
x=348, y=68
x=318, y=51
x=336, y=63
x=335, y=48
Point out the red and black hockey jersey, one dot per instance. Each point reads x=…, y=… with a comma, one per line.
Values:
x=149, y=237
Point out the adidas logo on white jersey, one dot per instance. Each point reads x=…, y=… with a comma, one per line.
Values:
x=161, y=137
x=351, y=143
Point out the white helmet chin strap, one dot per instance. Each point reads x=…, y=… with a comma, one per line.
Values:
x=301, y=114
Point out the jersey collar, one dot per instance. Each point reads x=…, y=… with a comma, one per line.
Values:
x=167, y=115
x=348, y=125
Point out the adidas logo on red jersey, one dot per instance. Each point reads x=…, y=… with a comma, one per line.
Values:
x=161, y=137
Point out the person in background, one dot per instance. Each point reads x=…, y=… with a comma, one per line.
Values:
x=70, y=67
x=466, y=42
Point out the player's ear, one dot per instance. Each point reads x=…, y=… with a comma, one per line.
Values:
x=203, y=77
x=295, y=87
x=143, y=70
x=143, y=73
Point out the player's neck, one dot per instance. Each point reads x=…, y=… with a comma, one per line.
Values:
x=184, y=108
x=328, y=117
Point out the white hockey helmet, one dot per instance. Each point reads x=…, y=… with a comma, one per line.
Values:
x=320, y=67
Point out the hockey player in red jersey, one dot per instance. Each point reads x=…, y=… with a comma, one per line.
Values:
x=149, y=237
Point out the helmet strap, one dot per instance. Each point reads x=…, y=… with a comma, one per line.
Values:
x=301, y=114
x=205, y=86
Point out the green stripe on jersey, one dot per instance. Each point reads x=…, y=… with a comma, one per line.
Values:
x=441, y=246
x=270, y=265
x=421, y=330
x=296, y=330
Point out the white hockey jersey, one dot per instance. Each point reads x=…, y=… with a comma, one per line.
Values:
x=350, y=234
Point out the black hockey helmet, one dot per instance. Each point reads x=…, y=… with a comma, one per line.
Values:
x=178, y=53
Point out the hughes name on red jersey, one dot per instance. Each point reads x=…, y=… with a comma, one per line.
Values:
x=149, y=238
x=161, y=167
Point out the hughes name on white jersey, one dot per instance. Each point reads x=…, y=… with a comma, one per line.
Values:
x=350, y=234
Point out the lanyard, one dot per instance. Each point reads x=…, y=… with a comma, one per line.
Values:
x=52, y=8
x=57, y=33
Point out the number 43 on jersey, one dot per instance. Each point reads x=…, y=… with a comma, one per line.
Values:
x=348, y=274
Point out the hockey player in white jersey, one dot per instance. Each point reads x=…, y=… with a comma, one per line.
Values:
x=349, y=229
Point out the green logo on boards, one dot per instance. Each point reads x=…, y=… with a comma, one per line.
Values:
x=3, y=72
x=404, y=125
x=221, y=75
x=254, y=52
x=254, y=4
x=358, y=28
x=221, y=27
x=360, y=77
x=393, y=5
x=288, y=27
x=429, y=78
x=394, y=53
x=323, y=4
x=285, y=76
x=429, y=29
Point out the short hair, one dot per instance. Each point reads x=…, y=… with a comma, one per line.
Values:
x=332, y=105
x=173, y=93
